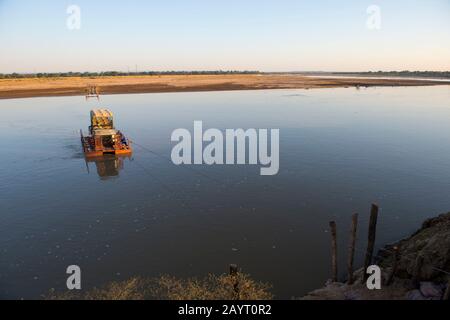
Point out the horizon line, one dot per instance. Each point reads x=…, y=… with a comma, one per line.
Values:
x=214, y=71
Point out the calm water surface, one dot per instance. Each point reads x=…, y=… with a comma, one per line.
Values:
x=340, y=150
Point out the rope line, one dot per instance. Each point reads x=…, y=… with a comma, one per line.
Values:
x=182, y=200
x=220, y=183
x=186, y=167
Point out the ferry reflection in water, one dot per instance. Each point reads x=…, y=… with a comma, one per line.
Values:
x=108, y=166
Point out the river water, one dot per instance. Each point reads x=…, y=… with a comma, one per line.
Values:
x=340, y=150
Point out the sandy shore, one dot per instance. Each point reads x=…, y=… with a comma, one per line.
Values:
x=43, y=87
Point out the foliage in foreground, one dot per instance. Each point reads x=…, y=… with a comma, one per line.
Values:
x=212, y=287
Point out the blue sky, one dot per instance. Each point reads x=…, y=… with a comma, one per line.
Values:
x=278, y=35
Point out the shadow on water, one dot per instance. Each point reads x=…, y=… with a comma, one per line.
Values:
x=107, y=166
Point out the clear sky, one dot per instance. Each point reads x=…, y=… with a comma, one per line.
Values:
x=276, y=35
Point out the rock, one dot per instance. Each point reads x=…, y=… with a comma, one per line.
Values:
x=352, y=295
x=431, y=242
x=415, y=295
x=431, y=290
x=329, y=282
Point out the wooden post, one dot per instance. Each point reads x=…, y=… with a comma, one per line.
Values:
x=447, y=292
x=417, y=270
x=333, y=251
x=233, y=269
x=351, y=248
x=394, y=267
x=371, y=239
x=234, y=274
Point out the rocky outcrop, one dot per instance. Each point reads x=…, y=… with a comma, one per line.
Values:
x=431, y=243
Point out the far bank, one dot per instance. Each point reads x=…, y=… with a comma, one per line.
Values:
x=78, y=86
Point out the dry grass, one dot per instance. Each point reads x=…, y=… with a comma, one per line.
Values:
x=212, y=287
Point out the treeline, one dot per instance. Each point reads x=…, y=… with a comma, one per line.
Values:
x=117, y=73
x=406, y=73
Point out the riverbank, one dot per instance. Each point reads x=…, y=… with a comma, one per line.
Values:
x=76, y=86
x=430, y=244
